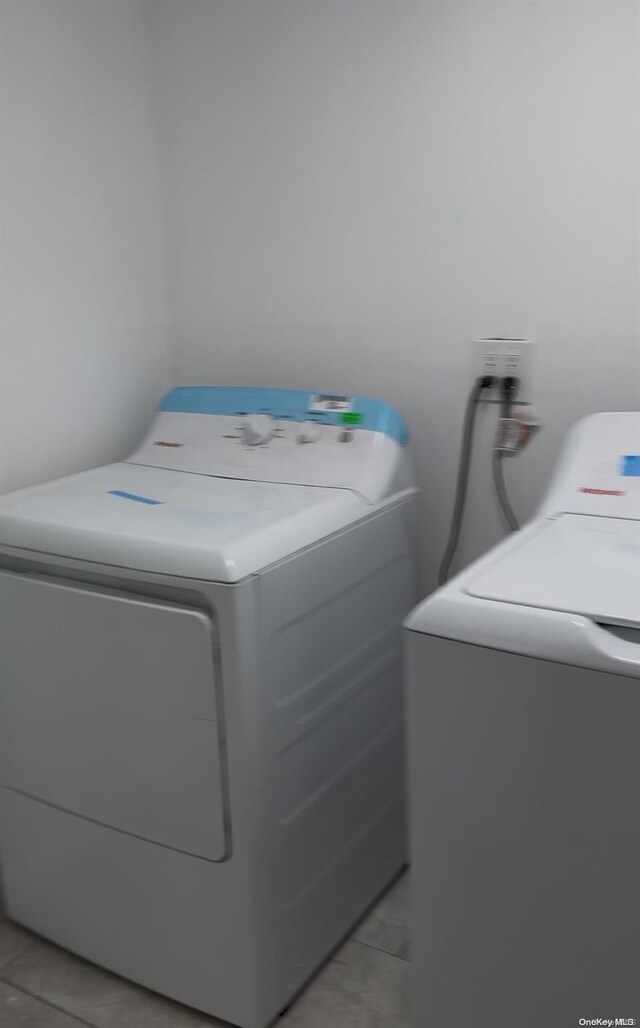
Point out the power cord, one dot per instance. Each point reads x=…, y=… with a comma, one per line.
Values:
x=509, y=388
x=482, y=383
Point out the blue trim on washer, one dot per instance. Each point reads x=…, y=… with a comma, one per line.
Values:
x=134, y=496
x=282, y=404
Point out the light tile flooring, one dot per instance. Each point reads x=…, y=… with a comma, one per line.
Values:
x=364, y=986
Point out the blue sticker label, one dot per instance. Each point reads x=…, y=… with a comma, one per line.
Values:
x=630, y=465
x=134, y=497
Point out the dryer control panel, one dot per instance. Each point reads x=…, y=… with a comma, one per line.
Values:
x=280, y=435
x=599, y=470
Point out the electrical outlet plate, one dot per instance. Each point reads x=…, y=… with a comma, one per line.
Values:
x=500, y=357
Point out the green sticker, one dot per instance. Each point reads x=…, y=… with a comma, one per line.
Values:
x=352, y=417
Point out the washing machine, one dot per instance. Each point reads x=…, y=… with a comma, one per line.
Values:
x=201, y=694
x=524, y=721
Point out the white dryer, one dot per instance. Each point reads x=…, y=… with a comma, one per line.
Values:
x=201, y=694
x=524, y=715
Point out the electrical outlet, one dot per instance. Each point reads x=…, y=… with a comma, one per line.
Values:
x=501, y=357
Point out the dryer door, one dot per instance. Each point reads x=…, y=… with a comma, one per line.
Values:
x=108, y=710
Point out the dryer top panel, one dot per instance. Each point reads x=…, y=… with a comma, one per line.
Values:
x=173, y=523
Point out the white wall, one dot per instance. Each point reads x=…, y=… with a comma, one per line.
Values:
x=83, y=343
x=355, y=190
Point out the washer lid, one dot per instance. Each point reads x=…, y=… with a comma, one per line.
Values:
x=580, y=564
x=172, y=522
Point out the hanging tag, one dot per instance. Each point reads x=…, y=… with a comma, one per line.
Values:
x=514, y=433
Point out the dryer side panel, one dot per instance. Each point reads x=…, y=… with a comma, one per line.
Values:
x=331, y=623
x=108, y=710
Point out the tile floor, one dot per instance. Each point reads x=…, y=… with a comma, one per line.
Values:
x=364, y=985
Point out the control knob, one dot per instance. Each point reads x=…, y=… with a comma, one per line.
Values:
x=258, y=429
x=308, y=432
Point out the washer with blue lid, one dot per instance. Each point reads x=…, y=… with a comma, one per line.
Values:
x=202, y=694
